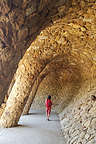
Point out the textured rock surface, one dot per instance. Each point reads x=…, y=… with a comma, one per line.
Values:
x=73, y=34
x=69, y=44
x=78, y=120
x=20, y=22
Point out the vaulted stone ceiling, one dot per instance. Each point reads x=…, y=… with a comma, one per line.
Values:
x=20, y=22
x=64, y=47
x=71, y=37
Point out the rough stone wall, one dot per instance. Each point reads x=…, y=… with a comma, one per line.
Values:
x=78, y=120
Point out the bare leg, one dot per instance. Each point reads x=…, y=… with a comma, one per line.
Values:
x=49, y=111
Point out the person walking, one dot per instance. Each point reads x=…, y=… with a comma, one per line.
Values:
x=48, y=104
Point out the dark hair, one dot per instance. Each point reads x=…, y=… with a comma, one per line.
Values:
x=49, y=97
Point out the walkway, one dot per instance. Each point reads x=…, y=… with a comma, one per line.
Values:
x=33, y=129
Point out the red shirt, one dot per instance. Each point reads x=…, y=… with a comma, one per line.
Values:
x=48, y=103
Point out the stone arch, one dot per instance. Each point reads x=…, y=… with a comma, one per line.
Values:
x=52, y=67
x=70, y=38
x=14, y=104
x=20, y=23
x=26, y=76
x=29, y=70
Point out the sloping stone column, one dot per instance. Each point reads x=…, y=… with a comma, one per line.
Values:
x=33, y=92
x=50, y=67
x=32, y=64
x=30, y=67
x=19, y=96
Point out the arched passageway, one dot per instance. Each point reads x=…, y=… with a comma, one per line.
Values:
x=62, y=58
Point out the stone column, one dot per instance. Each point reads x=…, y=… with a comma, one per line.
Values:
x=47, y=70
x=19, y=95
x=33, y=92
x=30, y=67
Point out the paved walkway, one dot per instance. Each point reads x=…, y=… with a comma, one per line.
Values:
x=33, y=129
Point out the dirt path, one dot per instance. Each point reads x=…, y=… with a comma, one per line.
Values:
x=33, y=129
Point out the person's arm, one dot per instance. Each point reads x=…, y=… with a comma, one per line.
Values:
x=45, y=102
x=51, y=103
x=54, y=104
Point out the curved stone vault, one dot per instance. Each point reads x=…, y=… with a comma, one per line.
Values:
x=61, y=61
x=20, y=23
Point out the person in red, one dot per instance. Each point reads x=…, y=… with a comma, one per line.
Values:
x=48, y=104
